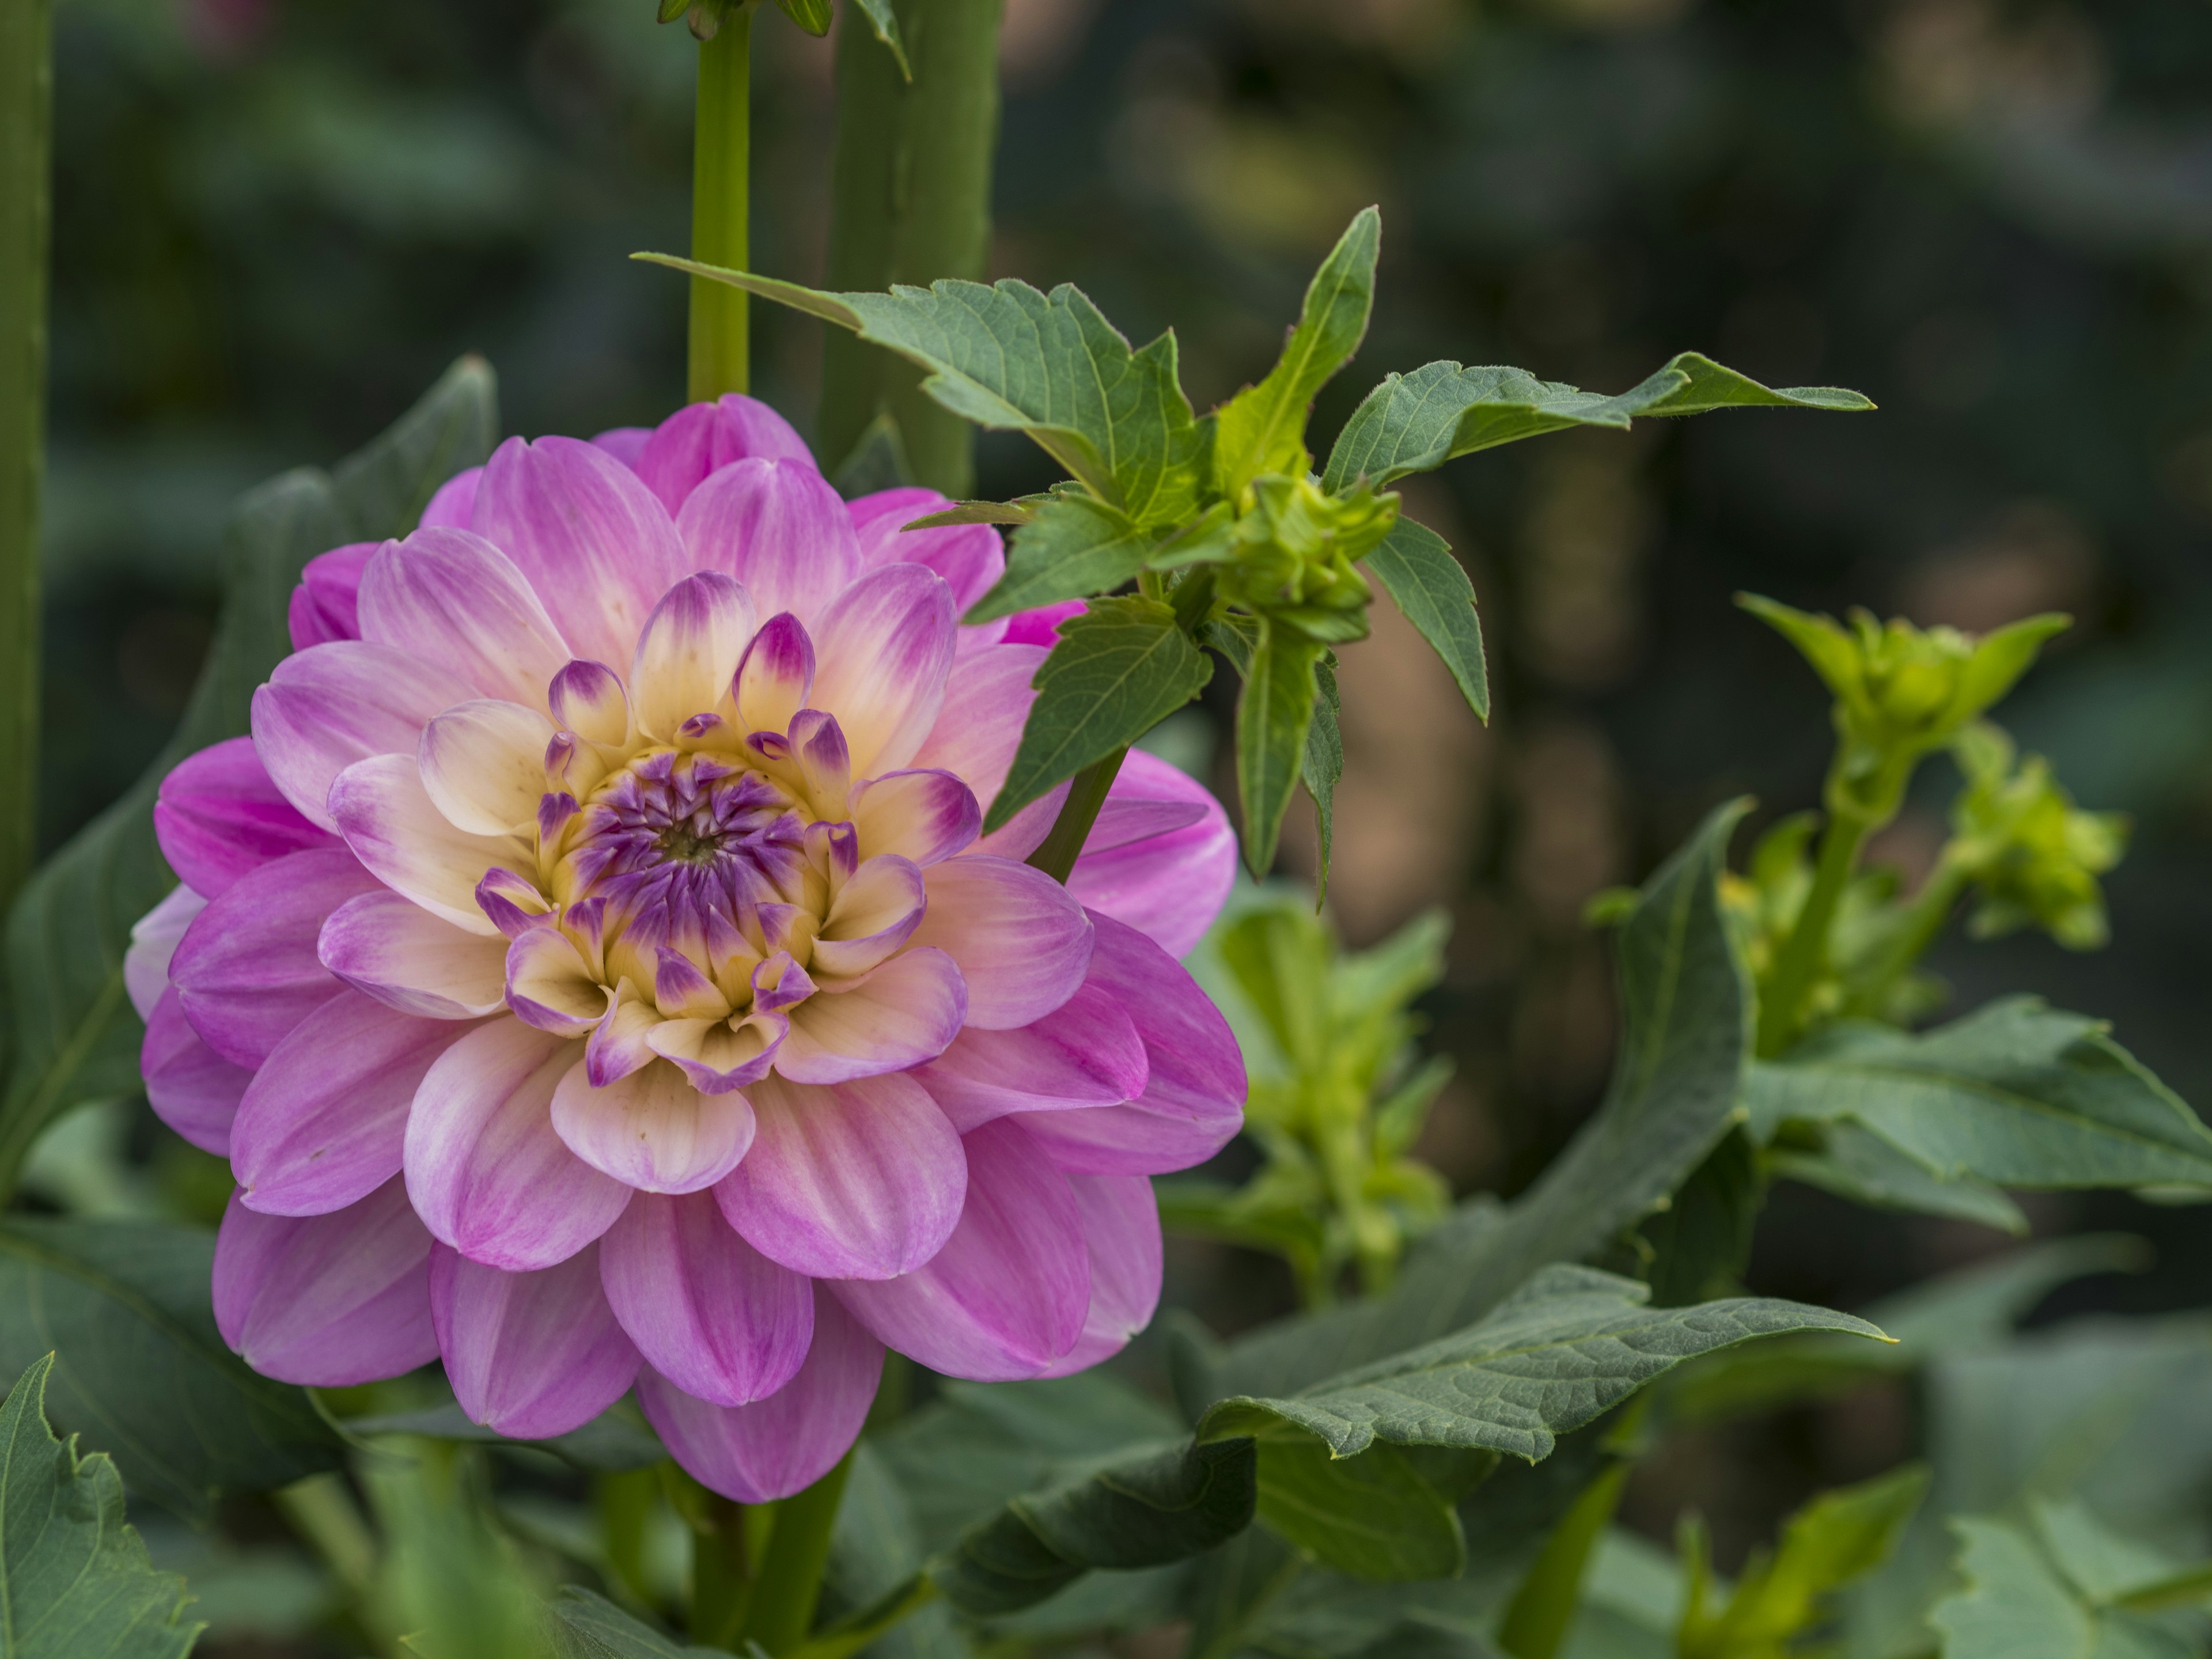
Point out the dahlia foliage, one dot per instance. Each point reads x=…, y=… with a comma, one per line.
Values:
x=594, y=970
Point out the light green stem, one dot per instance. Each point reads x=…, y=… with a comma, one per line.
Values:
x=858, y=1630
x=1063, y=843
x=721, y=1571
x=26, y=198
x=790, y=1582
x=321, y=1510
x=721, y=158
x=1797, y=964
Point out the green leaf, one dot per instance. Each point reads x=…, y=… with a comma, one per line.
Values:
x=1701, y=1240
x=1417, y=571
x=1119, y=669
x=1073, y=547
x=584, y=1625
x=1008, y=357
x=1857, y=1165
x=2013, y=1605
x=2018, y=1094
x=1262, y=428
x=1273, y=714
x=74, y=1579
x=75, y=1037
x=812, y=15
x=882, y=21
x=1545, y=1602
x=610, y=1443
x=1412, y=423
x=1232, y=1588
x=1323, y=768
x=1023, y=510
x=142, y=1371
x=1372, y=1515
x=1562, y=1350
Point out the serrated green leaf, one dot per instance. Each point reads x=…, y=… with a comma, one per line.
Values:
x=1071, y=548
x=1412, y=423
x=1008, y=357
x=1262, y=428
x=1423, y=580
x=1119, y=669
x=882, y=21
x=1324, y=767
x=2018, y=1094
x=74, y=1579
x=143, y=1373
x=812, y=15
x=1857, y=1165
x=1569, y=1345
x=1273, y=714
x=585, y=1625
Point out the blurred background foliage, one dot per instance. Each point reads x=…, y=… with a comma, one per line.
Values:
x=276, y=222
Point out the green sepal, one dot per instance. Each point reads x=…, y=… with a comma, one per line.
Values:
x=1023, y=510
x=1428, y=584
x=883, y=23
x=812, y=15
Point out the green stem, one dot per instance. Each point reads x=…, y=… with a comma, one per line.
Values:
x=625, y=1502
x=26, y=198
x=858, y=1630
x=790, y=1582
x=1542, y=1610
x=721, y=1581
x=1797, y=964
x=1063, y=843
x=910, y=202
x=1916, y=927
x=721, y=157
x=321, y=1511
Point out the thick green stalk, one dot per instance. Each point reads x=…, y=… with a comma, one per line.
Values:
x=721, y=160
x=790, y=1581
x=722, y=1570
x=910, y=192
x=1797, y=964
x=1063, y=843
x=26, y=198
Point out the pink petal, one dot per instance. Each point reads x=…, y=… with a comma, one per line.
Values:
x=1021, y=943
x=689, y=651
x=1162, y=856
x=246, y=969
x=926, y=817
x=154, y=939
x=322, y=1122
x=709, y=1313
x=390, y=948
x=549, y=985
x=485, y=1170
x=899, y=1015
x=625, y=443
x=1121, y=1226
x=1085, y=1053
x=885, y=645
x=775, y=676
x=323, y=709
x=971, y=557
x=587, y=535
x=482, y=763
x=449, y=597
x=218, y=816
x=778, y=528
x=191, y=1088
x=872, y=915
x=454, y=505
x=987, y=700
x=389, y=820
x=860, y=1179
x=328, y=1301
x=784, y=1444
x=652, y=1129
x=1041, y=626
x=529, y=1354
x=323, y=606
x=704, y=438
x=1009, y=1292
x=589, y=699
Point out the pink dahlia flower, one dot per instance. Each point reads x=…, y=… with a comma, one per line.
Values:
x=593, y=971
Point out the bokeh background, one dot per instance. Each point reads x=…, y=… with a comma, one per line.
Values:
x=277, y=219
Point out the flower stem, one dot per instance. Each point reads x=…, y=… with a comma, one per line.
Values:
x=1057, y=854
x=322, y=1511
x=25, y=198
x=790, y=1581
x=722, y=159
x=721, y=1585
x=1781, y=1013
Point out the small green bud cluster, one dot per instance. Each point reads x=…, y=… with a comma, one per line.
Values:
x=1291, y=554
x=2031, y=855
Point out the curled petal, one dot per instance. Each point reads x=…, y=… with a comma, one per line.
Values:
x=885, y=644
x=327, y=1301
x=1161, y=857
x=825, y=764
x=549, y=985
x=1021, y=943
x=709, y=1313
x=926, y=815
x=689, y=652
x=683, y=991
x=784, y=1444
x=970, y=557
x=154, y=939
x=870, y=917
x=394, y=828
x=621, y=1041
x=325, y=606
x=484, y=764
x=862, y=1180
x=779, y=528
x=1122, y=1227
x=652, y=1129
x=219, y=816
x=719, y=1055
x=450, y=597
x=587, y=698
x=1085, y=1053
x=704, y=438
x=485, y=1169
x=1009, y=1292
x=393, y=950
x=775, y=676
x=529, y=1354
x=899, y=1015
x=191, y=1088
x=323, y=709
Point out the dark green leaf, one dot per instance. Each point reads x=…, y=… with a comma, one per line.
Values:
x=143, y=1374
x=583, y=1625
x=2014, y=1603
x=1021, y=511
x=614, y=1440
x=1262, y=428
x=1417, y=571
x=1119, y=669
x=1701, y=1240
x=1324, y=761
x=1545, y=1603
x=1273, y=714
x=74, y=1579
x=883, y=22
x=1231, y=1587
x=1857, y=1165
x=875, y=1554
x=1412, y=423
x=877, y=461
x=1073, y=547
x=2017, y=1094
x=1372, y=1515
x=1009, y=357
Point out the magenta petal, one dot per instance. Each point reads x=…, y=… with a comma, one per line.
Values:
x=327, y=1301
x=779, y=528
x=451, y=598
x=1042, y=625
x=784, y=1444
x=323, y=709
x=454, y=505
x=625, y=443
x=1121, y=1226
x=1085, y=1053
x=704, y=438
x=925, y=816
x=154, y=940
x=1009, y=1292
x=485, y=1169
x=860, y=1180
x=971, y=557
x=247, y=969
x=708, y=1312
x=191, y=1088
x=896, y=1016
x=322, y=1122
x=530, y=1354
x=886, y=645
x=1162, y=856
x=1021, y=943
x=653, y=1129
x=390, y=948
x=323, y=606
x=218, y=816
x=987, y=700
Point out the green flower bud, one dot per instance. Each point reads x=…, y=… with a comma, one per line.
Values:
x=2031, y=855
x=1291, y=554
